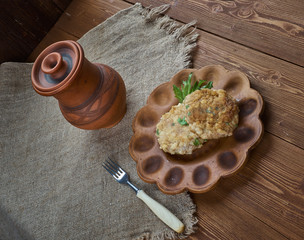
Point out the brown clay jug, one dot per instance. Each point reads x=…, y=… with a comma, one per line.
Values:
x=90, y=95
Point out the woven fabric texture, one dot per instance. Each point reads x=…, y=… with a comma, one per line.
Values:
x=52, y=184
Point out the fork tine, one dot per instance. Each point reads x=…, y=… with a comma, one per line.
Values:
x=164, y=214
x=110, y=166
x=115, y=165
x=113, y=173
x=113, y=168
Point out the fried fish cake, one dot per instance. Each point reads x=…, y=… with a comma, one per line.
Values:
x=204, y=114
x=212, y=114
x=174, y=134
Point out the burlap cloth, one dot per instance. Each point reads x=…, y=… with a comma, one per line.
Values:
x=52, y=184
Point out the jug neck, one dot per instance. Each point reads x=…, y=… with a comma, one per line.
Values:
x=84, y=86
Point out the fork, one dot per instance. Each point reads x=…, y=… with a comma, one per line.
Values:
x=159, y=210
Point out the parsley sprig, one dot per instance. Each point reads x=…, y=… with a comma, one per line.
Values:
x=196, y=142
x=182, y=121
x=186, y=88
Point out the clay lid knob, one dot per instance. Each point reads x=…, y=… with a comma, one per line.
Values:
x=54, y=66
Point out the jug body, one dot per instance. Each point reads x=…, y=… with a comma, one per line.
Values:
x=90, y=95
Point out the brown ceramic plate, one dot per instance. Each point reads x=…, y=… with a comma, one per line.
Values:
x=200, y=171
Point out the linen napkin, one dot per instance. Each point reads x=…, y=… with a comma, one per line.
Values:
x=52, y=184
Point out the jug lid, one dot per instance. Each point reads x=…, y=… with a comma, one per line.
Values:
x=56, y=67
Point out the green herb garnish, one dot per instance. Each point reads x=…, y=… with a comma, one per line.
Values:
x=182, y=122
x=186, y=88
x=209, y=85
x=157, y=132
x=196, y=142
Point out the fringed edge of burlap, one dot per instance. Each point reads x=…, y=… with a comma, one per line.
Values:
x=189, y=221
x=184, y=33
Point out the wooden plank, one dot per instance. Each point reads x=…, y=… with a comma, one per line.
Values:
x=270, y=188
x=79, y=18
x=82, y=15
x=219, y=218
x=53, y=36
x=62, y=4
x=278, y=81
x=274, y=27
x=23, y=24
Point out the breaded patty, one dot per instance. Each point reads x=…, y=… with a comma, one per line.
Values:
x=173, y=137
x=204, y=114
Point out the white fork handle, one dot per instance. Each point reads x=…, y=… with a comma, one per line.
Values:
x=163, y=213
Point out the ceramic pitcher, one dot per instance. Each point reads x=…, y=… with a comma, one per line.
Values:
x=90, y=95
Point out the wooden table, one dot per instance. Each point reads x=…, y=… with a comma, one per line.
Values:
x=265, y=40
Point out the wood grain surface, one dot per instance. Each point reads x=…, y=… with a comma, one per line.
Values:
x=270, y=188
x=265, y=40
x=274, y=27
x=24, y=23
